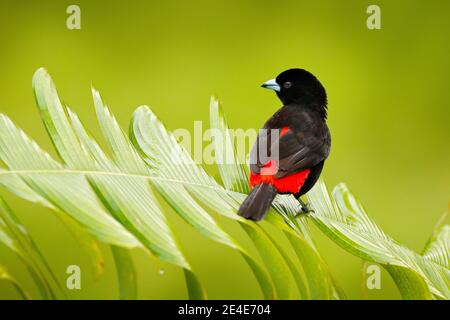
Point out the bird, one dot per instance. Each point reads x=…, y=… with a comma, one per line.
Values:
x=290, y=150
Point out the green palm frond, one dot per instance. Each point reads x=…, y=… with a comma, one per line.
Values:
x=438, y=247
x=344, y=220
x=117, y=207
x=15, y=236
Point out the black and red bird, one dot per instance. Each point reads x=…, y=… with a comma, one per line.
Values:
x=290, y=151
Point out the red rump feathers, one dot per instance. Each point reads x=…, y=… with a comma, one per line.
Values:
x=288, y=184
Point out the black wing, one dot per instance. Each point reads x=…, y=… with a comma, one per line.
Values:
x=306, y=144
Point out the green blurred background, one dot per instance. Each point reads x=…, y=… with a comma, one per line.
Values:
x=388, y=109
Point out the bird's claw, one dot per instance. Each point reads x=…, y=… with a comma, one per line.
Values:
x=305, y=209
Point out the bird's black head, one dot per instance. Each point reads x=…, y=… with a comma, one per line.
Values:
x=300, y=87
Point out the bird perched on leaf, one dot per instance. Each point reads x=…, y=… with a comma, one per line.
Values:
x=290, y=151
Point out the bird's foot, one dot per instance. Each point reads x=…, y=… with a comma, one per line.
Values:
x=305, y=208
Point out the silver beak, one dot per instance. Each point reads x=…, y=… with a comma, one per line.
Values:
x=272, y=85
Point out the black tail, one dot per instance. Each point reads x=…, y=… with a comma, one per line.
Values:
x=258, y=202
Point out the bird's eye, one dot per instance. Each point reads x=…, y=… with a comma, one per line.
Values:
x=287, y=85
